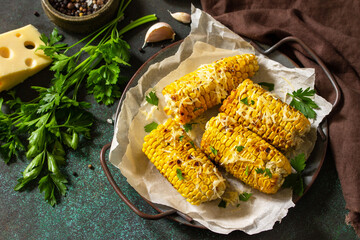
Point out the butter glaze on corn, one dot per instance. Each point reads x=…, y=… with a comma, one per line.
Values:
x=192, y=94
x=169, y=148
x=224, y=134
x=275, y=121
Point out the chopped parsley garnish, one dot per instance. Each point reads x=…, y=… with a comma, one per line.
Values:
x=269, y=86
x=151, y=126
x=195, y=109
x=259, y=171
x=188, y=126
x=302, y=102
x=245, y=101
x=247, y=171
x=244, y=196
x=295, y=180
x=152, y=98
x=239, y=148
x=192, y=144
x=181, y=138
x=268, y=173
x=265, y=171
x=179, y=174
x=252, y=102
x=222, y=204
x=213, y=150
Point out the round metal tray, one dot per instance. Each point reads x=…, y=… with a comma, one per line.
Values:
x=314, y=162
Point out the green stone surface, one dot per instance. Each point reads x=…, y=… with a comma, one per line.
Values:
x=91, y=208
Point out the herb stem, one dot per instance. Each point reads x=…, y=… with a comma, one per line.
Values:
x=137, y=22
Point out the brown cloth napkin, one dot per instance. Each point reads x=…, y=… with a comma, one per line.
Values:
x=332, y=29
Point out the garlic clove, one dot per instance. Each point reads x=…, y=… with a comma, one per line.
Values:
x=158, y=32
x=181, y=16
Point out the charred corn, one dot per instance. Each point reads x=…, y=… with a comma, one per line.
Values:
x=244, y=154
x=208, y=86
x=275, y=121
x=183, y=164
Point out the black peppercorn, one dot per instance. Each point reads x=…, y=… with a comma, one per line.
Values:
x=77, y=7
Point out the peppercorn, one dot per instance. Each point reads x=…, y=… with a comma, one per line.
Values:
x=77, y=7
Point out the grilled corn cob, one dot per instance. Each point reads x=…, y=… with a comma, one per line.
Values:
x=184, y=165
x=192, y=94
x=275, y=121
x=244, y=154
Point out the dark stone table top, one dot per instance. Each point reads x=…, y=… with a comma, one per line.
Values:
x=91, y=209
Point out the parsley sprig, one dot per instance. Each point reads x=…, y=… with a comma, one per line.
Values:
x=295, y=180
x=302, y=102
x=9, y=137
x=56, y=118
x=152, y=98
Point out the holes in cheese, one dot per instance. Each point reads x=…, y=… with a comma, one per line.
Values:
x=18, y=56
x=30, y=62
x=29, y=44
x=5, y=52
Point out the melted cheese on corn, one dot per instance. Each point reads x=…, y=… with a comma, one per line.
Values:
x=206, y=87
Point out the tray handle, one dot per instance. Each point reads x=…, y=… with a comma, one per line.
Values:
x=322, y=65
x=128, y=202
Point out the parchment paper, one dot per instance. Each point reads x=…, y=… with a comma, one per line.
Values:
x=207, y=42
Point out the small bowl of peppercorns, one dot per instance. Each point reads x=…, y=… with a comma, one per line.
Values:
x=81, y=16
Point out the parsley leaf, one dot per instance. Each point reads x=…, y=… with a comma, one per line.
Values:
x=179, y=174
x=245, y=101
x=213, y=150
x=247, y=171
x=188, y=126
x=298, y=162
x=151, y=126
x=252, y=102
x=244, y=196
x=9, y=138
x=295, y=180
x=302, y=102
x=181, y=138
x=268, y=173
x=195, y=109
x=222, y=204
x=259, y=170
x=192, y=144
x=103, y=83
x=265, y=171
x=152, y=98
x=52, y=47
x=239, y=148
x=269, y=86
x=48, y=188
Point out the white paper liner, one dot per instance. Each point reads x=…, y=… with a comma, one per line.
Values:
x=208, y=41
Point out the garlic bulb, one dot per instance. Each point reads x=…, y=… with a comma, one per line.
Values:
x=158, y=32
x=181, y=16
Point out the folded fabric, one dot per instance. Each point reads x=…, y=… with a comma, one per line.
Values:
x=332, y=30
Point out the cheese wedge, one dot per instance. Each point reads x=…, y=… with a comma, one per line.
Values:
x=18, y=56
